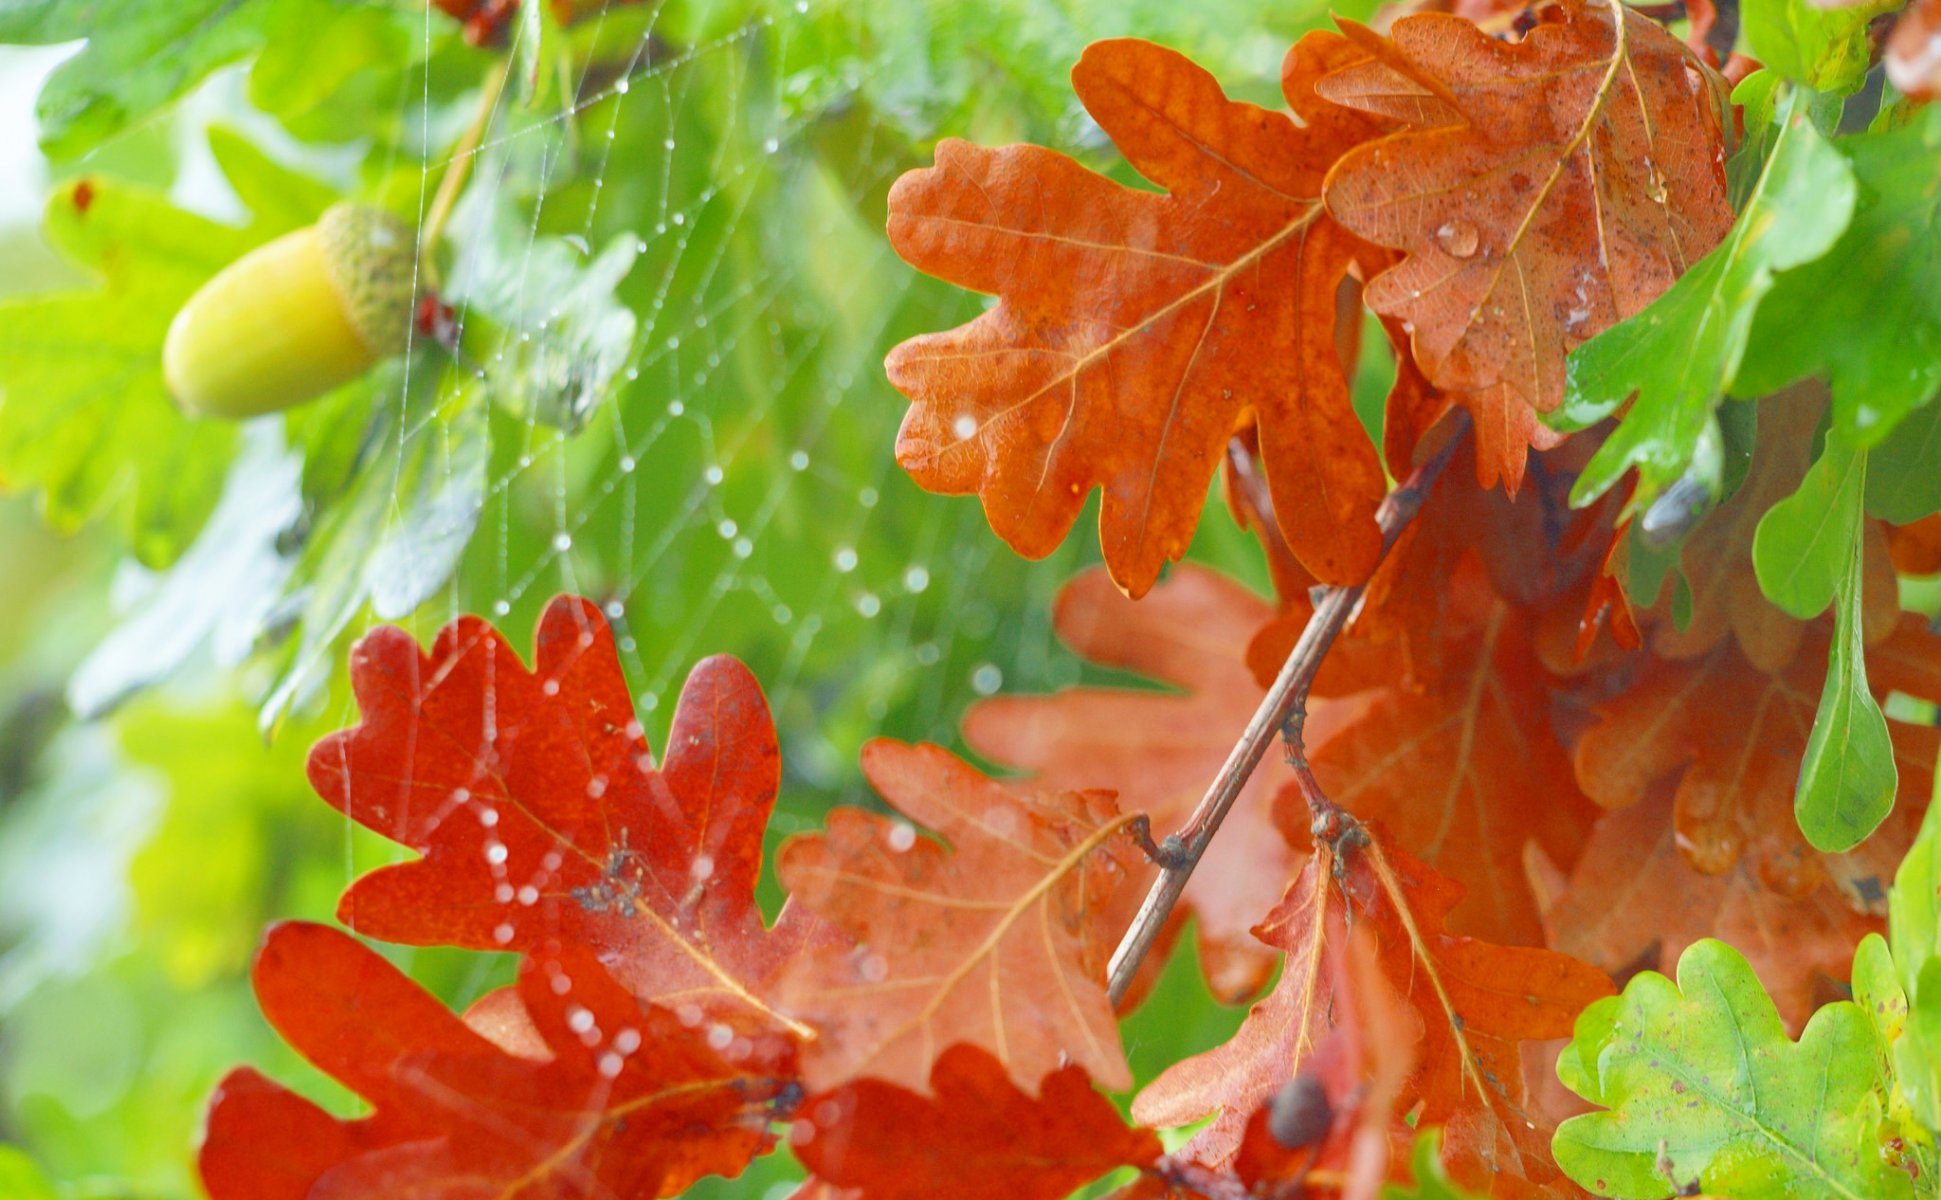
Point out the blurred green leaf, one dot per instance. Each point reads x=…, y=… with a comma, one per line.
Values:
x=1700, y=1076
x=1824, y=48
x=139, y=56
x=1867, y=314
x=20, y=1179
x=84, y=414
x=1902, y=483
x=1681, y=354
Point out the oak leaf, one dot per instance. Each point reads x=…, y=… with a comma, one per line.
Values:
x=1634, y=900
x=997, y=941
x=1732, y=736
x=1358, y=1071
x=540, y=814
x=1476, y=1001
x=1157, y=750
x=630, y=1100
x=975, y=1135
x=1462, y=763
x=1134, y=330
x=1541, y=190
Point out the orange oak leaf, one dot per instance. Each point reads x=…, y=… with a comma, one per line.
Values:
x=996, y=941
x=1360, y=1068
x=1476, y=1001
x=540, y=815
x=1634, y=901
x=1541, y=190
x=1482, y=1153
x=975, y=1135
x=1134, y=330
x=1732, y=735
x=1158, y=750
x=1462, y=764
x=630, y=1100
x=1916, y=548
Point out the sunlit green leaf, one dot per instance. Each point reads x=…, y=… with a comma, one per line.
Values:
x=1702, y=1083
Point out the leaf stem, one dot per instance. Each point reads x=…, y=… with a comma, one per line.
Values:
x=1282, y=710
x=459, y=168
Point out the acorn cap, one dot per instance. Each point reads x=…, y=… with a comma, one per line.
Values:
x=295, y=317
x=371, y=255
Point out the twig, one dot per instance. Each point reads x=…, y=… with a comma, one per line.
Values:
x=1277, y=713
x=459, y=168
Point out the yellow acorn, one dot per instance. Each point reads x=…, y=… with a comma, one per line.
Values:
x=294, y=317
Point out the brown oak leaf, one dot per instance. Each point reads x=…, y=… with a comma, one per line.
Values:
x=997, y=941
x=1134, y=330
x=1541, y=191
x=1733, y=735
x=541, y=816
x=1634, y=901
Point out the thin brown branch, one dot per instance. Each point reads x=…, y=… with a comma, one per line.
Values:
x=1283, y=708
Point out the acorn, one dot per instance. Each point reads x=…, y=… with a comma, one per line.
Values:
x=295, y=317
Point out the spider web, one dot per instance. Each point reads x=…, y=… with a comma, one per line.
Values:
x=719, y=477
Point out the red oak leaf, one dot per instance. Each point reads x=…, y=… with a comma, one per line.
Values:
x=1135, y=330
x=535, y=802
x=630, y=1100
x=1541, y=190
x=1476, y=1001
x=998, y=941
x=976, y=1135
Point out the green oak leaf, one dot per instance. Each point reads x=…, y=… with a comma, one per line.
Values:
x=1917, y=1053
x=1914, y=902
x=139, y=56
x=1867, y=314
x=1801, y=548
x=1824, y=48
x=1701, y=1077
x=1847, y=777
x=1681, y=354
x=84, y=414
